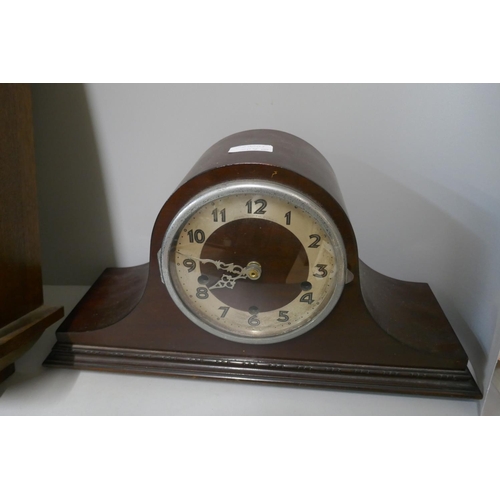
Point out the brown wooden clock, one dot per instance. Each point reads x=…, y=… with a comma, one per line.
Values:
x=23, y=314
x=254, y=275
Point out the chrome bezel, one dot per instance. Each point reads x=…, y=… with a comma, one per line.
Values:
x=259, y=187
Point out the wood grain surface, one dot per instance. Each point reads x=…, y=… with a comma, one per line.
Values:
x=23, y=317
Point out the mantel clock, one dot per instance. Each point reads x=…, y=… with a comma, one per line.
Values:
x=254, y=275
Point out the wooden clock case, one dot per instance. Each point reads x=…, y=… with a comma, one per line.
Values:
x=383, y=335
x=23, y=315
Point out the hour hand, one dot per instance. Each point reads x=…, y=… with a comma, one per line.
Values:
x=252, y=271
x=227, y=281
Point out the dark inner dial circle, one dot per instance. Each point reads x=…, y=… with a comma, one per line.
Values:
x=281, y=255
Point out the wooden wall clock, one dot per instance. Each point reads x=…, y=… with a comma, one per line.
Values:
x=254, y=275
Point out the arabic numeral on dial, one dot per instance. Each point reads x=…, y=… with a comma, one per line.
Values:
x=288, y=218
x=202, y=292
x=224, y=311
x=307, y=297
x=260, y=210
x=190, y=264
x=222, y=214
x=197, y=236
x=322, y=272
x=283, y=317
x=253, y=320
x=316, y=238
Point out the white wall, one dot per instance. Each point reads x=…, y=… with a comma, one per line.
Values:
x=418, y=166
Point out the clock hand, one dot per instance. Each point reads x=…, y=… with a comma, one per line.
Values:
x=253, y=271
x=232, y=268
x=228, y=281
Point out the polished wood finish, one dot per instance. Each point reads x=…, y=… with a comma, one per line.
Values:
x=20, y=266
x=19, y=335
x=22, y=314
x=383, y=335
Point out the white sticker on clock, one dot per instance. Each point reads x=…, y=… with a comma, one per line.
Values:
x=251, y=147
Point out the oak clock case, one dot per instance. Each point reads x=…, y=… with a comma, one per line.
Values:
x=254, y=275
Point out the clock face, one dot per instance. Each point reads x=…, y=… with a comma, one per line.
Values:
x=253, y=262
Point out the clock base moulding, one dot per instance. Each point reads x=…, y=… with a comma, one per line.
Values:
x=383, y=335
x=112, y=330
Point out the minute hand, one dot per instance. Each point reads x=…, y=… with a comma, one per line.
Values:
x=231, y=268
x=226, y=281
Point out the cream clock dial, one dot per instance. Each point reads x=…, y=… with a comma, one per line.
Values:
x=253, y=262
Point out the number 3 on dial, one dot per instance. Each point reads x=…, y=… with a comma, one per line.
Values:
x=228, y=239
